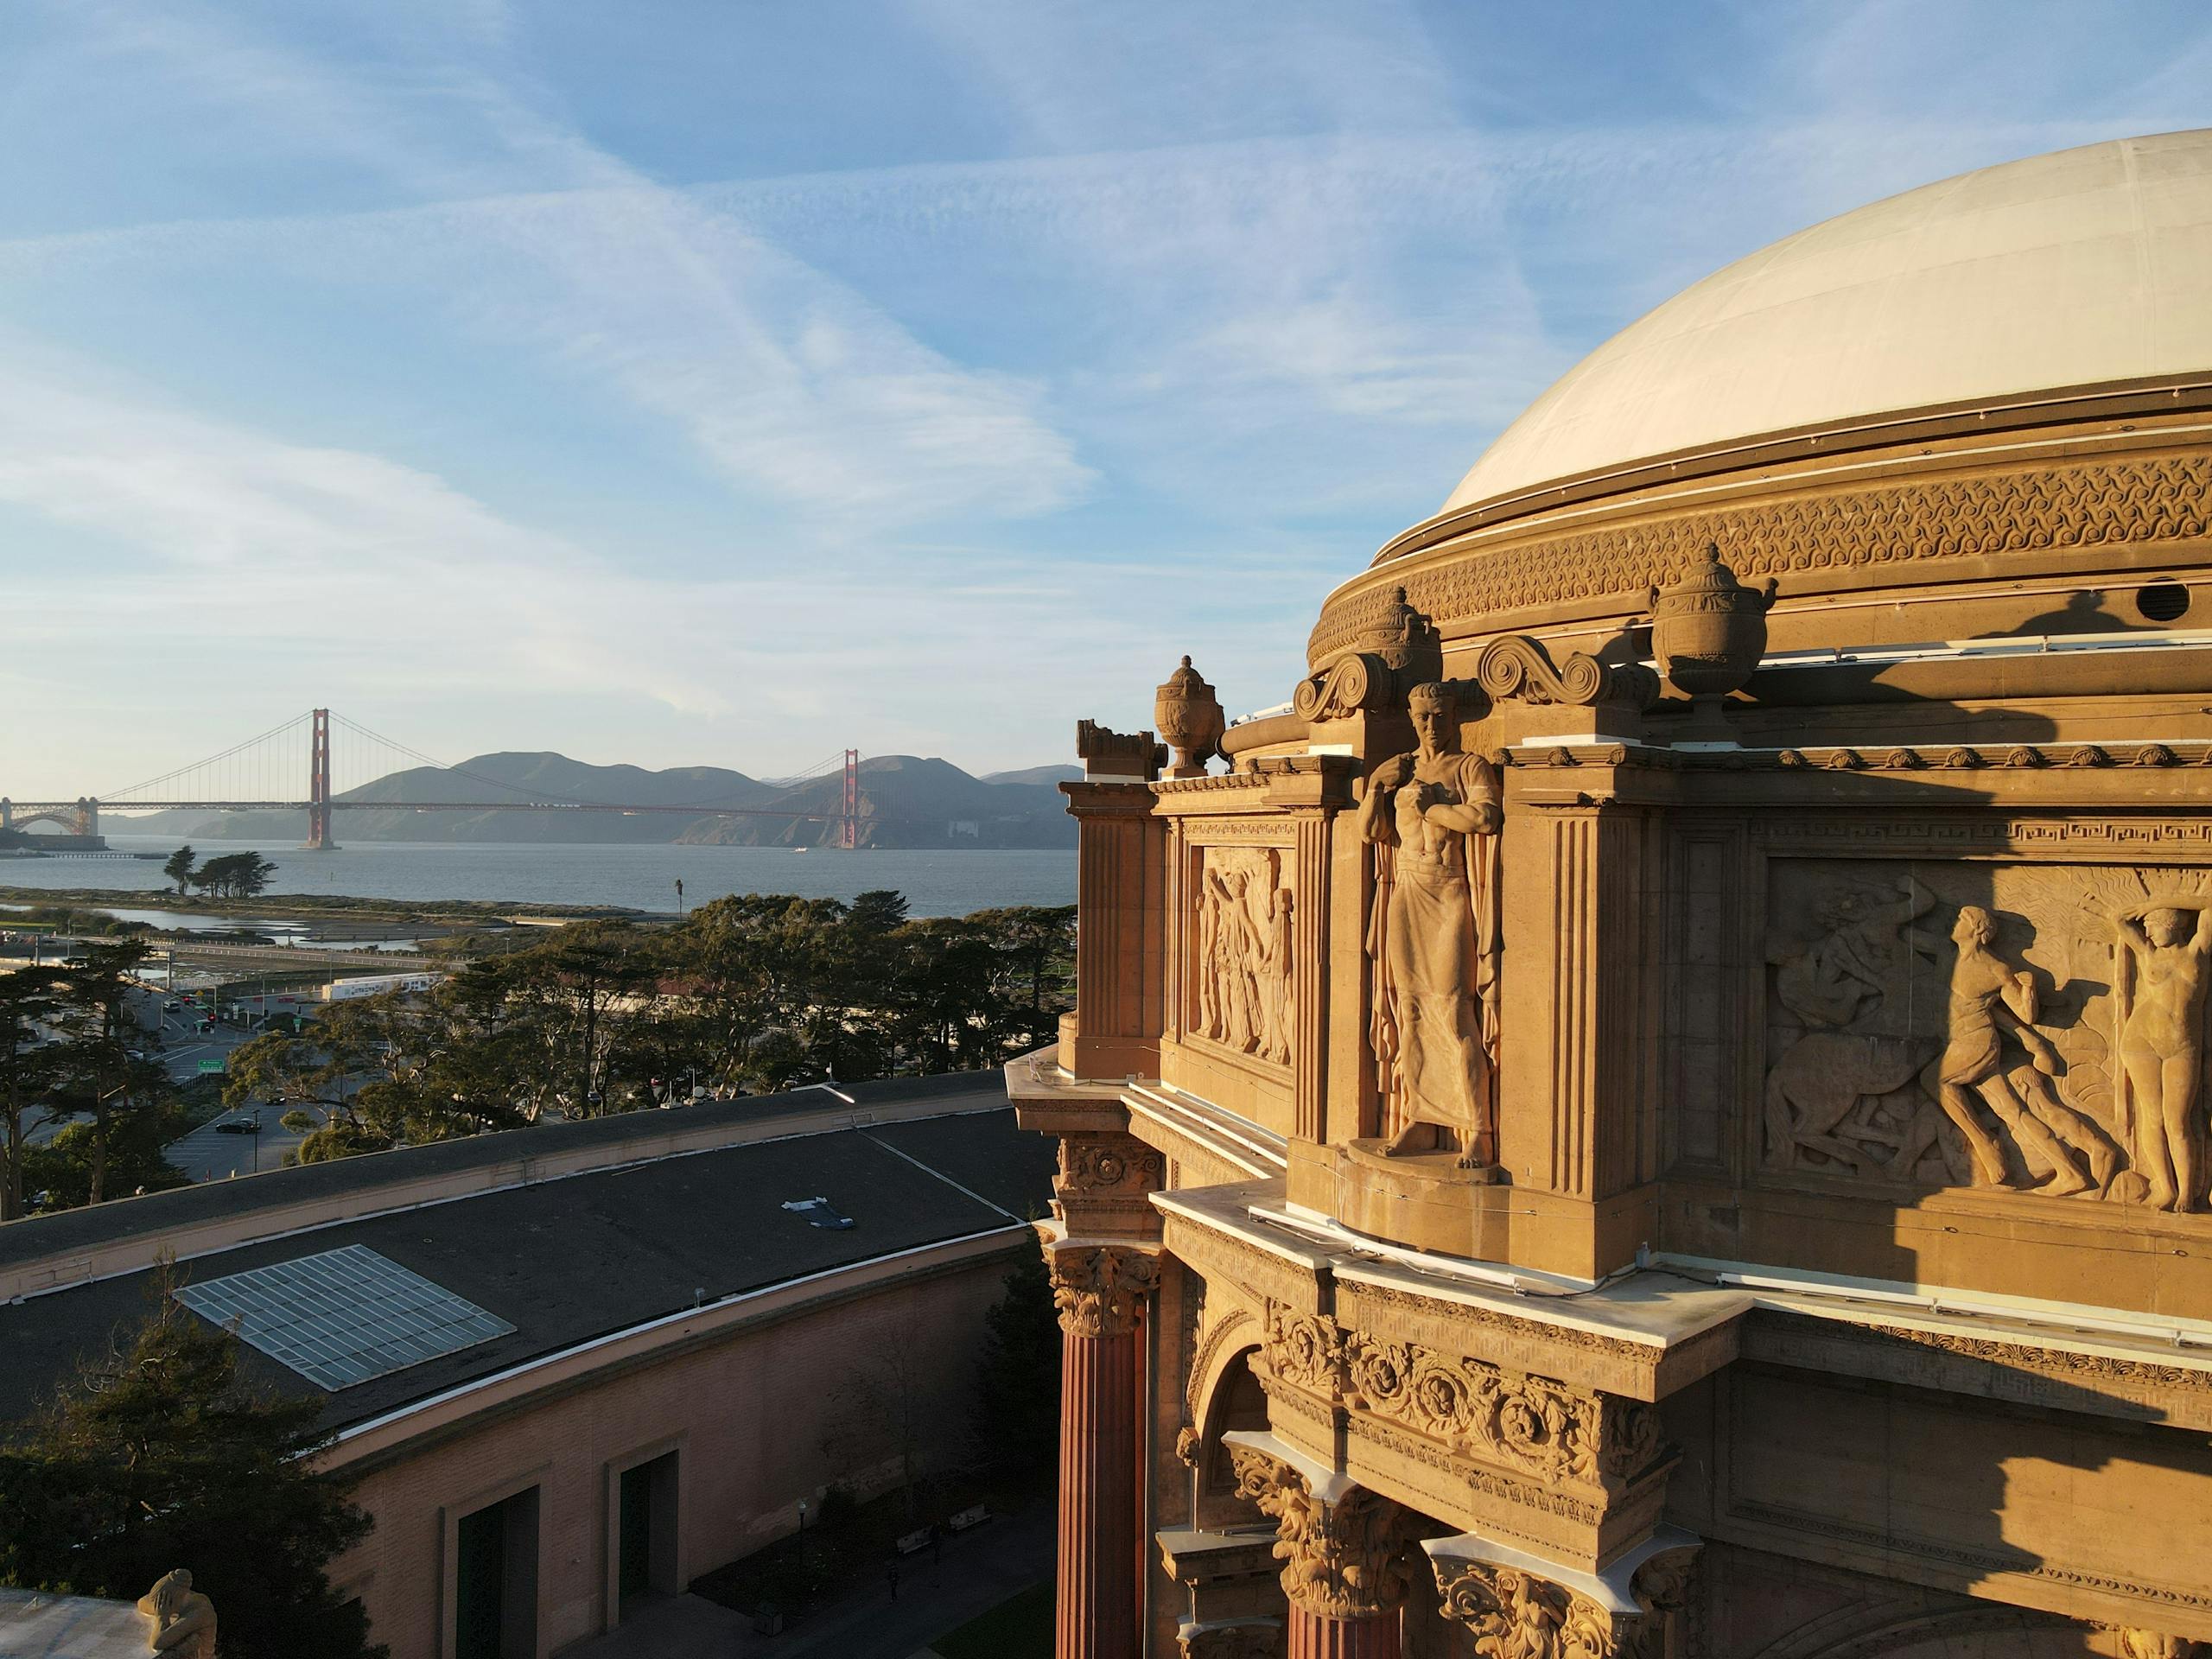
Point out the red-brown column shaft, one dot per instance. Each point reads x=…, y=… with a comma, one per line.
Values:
x=1097, y=1599
x=1310, y=1635
x=1100, y=1290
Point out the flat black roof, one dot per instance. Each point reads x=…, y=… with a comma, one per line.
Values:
x=581, y=1256
x=37, y=1237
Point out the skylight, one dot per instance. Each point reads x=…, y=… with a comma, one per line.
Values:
x=342, y=1316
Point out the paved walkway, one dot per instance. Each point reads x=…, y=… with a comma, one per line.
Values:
x=977, y=1572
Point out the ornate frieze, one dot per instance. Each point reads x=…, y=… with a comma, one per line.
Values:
x=2153, y=500
x=1342, y=1559
x=1099, y=1289
x=1507, y=1418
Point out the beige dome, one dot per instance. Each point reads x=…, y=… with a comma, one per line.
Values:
x=2081, y=268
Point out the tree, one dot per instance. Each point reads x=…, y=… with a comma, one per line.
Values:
x=234, y=875
x=92, y=1072
x=180, y=867
x=1017, y=1406
x=30, y=1001
x=156, y=1455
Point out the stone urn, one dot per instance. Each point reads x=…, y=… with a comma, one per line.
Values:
x=1188, y=716
x=1708, y=631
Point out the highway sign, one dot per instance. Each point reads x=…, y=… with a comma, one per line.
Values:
x=211, y=1068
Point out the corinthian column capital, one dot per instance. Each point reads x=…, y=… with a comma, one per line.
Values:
x=1099, y=1289
x=1343, y=1559
x=1517, y=1611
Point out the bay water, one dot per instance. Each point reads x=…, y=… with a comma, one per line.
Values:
x=936, y=882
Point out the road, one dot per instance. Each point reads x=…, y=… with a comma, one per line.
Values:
x=212, y=1151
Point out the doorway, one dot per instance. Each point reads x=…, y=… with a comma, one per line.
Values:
x=495, y=1580
x=645, y=1528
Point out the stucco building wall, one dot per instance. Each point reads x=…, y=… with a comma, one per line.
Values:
x=747, y=1417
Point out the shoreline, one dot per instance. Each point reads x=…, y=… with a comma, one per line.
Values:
x=336, y=905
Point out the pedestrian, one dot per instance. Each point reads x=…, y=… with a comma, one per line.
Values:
x=894, y=1580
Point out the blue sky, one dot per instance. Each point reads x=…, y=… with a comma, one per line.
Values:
x=725, y=383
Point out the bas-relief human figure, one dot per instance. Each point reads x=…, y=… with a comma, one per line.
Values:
x=1244, y=942
x=1856, y=975
x=184, y=1620
x=2162, y=1043
x=1433, y=935
x=1990, y=1001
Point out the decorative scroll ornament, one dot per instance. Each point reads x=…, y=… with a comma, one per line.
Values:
x=1345, y=1560
x=1398, y=650
x=1517, y=1615
x=1099, y=1289
x=1520, y=668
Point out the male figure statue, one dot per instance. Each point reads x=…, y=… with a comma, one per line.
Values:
x=1433, y=935
x=1989, y=1001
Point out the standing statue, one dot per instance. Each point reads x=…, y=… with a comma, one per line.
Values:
x=2162, y=1043
x=1990, y=1000
x=1434, y=817
x=184, y=1620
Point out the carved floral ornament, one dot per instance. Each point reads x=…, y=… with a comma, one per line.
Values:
x=1099, y=1289
x=1345, y=1560
x=1516, y=1614
x=1099, y=1165
x=1519, y=1421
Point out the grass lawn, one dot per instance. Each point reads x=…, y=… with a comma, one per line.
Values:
x=1020, y=1627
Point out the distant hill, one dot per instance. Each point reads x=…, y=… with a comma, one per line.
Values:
x=1037, y=775
x=905, y=802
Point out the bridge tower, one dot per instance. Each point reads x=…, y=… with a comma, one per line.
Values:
x=849, y=817
x=319, y=839
x=7, y=813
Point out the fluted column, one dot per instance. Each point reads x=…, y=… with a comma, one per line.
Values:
x=1344, y=1567
x=1100, y=1290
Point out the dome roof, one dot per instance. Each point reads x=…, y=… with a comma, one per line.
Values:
x=2083, y=267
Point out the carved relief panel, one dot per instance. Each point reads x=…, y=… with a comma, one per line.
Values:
x=1239, y=946
x=1950, y=1023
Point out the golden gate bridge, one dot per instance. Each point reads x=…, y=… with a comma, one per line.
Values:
x=261, y=774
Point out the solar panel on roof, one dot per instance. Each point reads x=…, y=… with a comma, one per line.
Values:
x=342, y=1316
